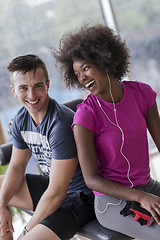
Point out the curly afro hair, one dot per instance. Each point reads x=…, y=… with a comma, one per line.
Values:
x=97, y=45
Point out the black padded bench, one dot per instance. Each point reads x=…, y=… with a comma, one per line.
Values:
x=92, y=230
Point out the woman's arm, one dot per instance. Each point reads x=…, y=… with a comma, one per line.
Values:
x=88, y=161
x=153, y=124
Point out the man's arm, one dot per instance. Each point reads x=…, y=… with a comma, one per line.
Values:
x=61, y=174
x=12, y=182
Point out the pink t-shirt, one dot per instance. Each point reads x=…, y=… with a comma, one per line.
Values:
x=131, y=114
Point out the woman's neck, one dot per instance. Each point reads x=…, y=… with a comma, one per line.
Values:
x=115, y=91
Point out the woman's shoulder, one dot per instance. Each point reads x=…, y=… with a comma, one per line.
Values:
x=136, y=85
x=87, y=108
x=85, y=114
x=88, y=104
x=142, y=92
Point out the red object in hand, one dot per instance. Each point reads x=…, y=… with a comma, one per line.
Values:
x=141, y=215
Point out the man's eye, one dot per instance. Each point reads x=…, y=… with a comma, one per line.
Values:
x=39, y=86
x=22, y=88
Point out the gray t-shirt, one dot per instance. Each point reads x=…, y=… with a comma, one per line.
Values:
x=53, y=138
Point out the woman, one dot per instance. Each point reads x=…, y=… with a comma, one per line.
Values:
x=110, y=128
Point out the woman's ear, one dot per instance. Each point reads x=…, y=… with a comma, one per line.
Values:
x=107, y=71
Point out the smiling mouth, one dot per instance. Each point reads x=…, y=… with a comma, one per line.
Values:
x=32, y=102
x=90, y=84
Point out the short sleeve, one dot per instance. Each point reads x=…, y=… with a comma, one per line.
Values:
x=84, y=116
x=61, y=140
x=149, y=96
x=17, y=138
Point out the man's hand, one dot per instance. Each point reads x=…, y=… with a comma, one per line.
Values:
x=6, y=227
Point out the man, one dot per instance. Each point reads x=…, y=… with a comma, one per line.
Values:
x=42, y=127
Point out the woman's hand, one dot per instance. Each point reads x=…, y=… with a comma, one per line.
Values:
x=152, y=204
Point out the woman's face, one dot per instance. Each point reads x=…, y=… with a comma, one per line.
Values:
x=91, y=77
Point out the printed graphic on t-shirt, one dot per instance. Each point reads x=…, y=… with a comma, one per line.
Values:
x=40, y=149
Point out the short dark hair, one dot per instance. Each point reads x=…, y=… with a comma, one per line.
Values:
x=27, y=63
x=96, y=44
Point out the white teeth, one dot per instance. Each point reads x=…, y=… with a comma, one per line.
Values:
x=32, y=102
x=88, y=84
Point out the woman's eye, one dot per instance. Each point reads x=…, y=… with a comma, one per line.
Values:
x=86, y=68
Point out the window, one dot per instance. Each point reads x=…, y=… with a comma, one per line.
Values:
x=138, y=22
x=34, y=26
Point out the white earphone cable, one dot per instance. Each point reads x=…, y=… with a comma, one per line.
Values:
x=107, y=205
x=121, y=148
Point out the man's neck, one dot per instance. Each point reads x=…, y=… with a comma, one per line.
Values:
x=38, y=117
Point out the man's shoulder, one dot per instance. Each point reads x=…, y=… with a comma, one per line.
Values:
x=59, y=111
x=21, y=115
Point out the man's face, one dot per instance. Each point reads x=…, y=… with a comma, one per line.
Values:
x=31, y=90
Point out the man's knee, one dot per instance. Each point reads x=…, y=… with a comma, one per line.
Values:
x=40, y=232
x=1, y=179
